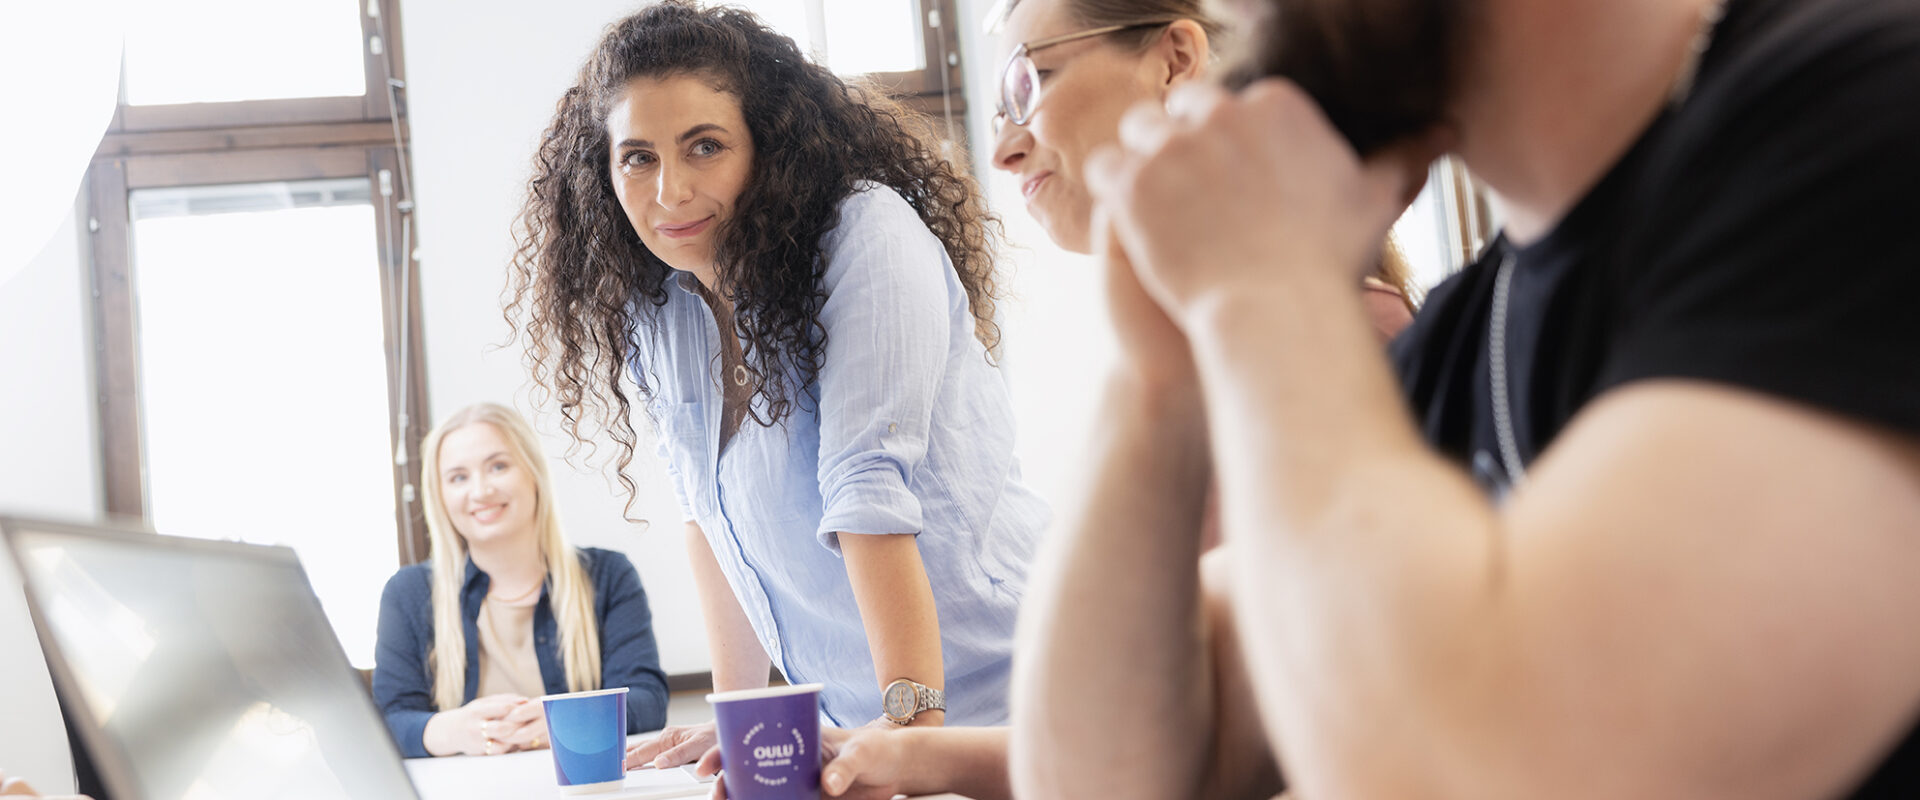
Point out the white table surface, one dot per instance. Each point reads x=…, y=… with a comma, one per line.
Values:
x=529, y=776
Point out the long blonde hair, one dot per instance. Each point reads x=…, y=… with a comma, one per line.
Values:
x=570, y=593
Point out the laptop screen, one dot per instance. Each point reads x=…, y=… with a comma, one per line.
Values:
x=201, y=670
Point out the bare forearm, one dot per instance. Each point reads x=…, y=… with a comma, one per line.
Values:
x=739, y=662
x=896, y=607
x=1349, y=535
x=1115, y=667
x=1413, y=641
x=971, y=762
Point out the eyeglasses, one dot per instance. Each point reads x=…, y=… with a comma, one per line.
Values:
x=1020, y=79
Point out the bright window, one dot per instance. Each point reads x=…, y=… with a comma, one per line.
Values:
x=852, y=37
x=263, y=380
x=209, y=51
x=1422, y=239
x=874, y=36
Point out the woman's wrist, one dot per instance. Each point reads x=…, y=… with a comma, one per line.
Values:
x=434, y=731
x=438, y=736
x=931, y=718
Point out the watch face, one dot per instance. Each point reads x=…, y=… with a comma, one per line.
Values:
x=899, y=700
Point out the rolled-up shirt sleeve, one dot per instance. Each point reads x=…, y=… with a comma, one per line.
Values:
x=887, y=326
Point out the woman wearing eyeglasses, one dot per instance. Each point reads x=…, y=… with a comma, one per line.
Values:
x=1076, y=66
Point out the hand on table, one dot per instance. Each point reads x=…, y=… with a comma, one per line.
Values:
x=523, y=728
x=873, y=762
x=17, y=787
x=676, y=745
x=483, y=727
x=876, y=761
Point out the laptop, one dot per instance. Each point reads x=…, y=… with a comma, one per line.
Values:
x=200, y=670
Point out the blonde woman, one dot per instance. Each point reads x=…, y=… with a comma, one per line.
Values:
x=506, y=610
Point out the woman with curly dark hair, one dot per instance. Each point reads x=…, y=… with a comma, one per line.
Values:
x=800, y=288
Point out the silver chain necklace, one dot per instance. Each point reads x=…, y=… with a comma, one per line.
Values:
x=1510, y=462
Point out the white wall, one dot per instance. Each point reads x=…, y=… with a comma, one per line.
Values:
x=49, y=462
x=49, y=467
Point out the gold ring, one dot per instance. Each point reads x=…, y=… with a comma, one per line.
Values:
x=489, y=747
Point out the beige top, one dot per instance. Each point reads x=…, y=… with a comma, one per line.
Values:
x=507, y=661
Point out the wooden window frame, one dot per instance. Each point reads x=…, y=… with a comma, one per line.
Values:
x=938, y=34
x=255, y=142
x=927, y=90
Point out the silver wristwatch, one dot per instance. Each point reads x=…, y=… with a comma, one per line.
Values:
x=903, y=700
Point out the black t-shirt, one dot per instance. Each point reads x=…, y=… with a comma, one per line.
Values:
x=1764, y=234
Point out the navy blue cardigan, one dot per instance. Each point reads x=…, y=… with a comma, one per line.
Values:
x=403, y=682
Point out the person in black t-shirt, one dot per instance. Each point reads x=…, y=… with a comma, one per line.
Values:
x=1687, y=380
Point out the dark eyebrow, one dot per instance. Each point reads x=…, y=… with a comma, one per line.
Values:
x=691, y=132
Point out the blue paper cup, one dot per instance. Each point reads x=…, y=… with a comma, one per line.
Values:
x=770, y=742
x=588, y=731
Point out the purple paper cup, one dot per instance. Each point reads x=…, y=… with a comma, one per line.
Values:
x=588, y=731
x=770, y=742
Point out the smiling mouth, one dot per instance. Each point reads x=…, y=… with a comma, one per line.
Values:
x=683, y=231
x=1032, y=185
x=489, y=514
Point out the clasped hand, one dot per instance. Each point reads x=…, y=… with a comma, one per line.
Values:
x=1215, y=194
x=492, y=725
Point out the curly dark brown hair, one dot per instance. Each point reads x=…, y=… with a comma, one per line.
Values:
x=583, y=284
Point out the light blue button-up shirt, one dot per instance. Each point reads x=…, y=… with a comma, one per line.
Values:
x=908, y=429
